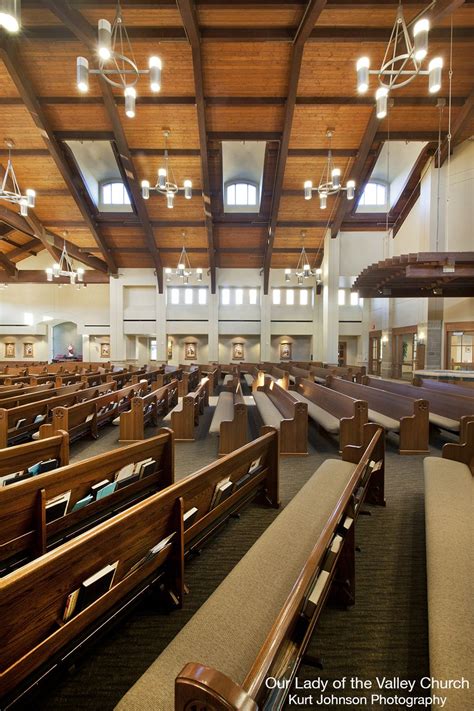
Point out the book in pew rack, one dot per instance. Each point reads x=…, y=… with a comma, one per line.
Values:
x=152, y=553
x=57, y=506
x=90, y=590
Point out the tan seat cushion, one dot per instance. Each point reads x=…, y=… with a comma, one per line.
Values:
x=444, y=422
x=449, y=510
x=227, y=632
x=270, y=414
x=319, y=415
x=228, y=379
x=321, y=381
x=384, y=421
x=248, y=379
x=224, y=411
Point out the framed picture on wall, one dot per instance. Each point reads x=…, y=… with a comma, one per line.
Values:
x=170, y=350
x=237, y=351
x=285, y=351
x=105, y=350
x=28, y=350
x=10, y=350
x=190, y=351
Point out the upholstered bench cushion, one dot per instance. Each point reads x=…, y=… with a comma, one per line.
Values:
x=178, y=408
x=444, y=422
x=224, y=411
x=292, y=378
x=321, y=381
x=248, y=379
x=319, y=415
x=449, y=490
x=270, y=414
x=228, y=379
x=384, y=421
x=116, y=421
x=227, y=631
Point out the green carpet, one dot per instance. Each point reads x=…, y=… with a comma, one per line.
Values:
x=385, y=633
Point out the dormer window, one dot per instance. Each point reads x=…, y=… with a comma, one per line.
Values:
x=113, y=194
x=241, y=194
x=374, y=195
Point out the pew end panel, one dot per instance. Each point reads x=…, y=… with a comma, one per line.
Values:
x=233, y=433
x=415, y=430
x=464, y=451
x=207, y=689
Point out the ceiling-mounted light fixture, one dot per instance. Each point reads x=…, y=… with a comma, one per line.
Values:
x=183, y=270
x=15, y=195
x=166, y=183
x=117, y=64
x=65, y=268
x=402, y=61
x=10, y=15
x=330, y=182
x=303, y=268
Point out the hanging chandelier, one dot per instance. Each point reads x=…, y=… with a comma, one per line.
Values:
x=183, y=270
x=65, y=268
x=15, y=195
x=303, y=268
x=330, y=183
x=166, y=182
x=10, y=15
x=117, y=64
x=402, y=61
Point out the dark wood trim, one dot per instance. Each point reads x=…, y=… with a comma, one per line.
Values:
x=38, y=276
x=310, y=16
x=356, y=171
x=19, y=76
x=73, y=19
x=193, y=32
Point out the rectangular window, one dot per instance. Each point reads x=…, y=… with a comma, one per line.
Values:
x=239, y=297
x=152, y=350
x=175, y=296
x=253, y=296
x=276, y=297
x=354, y=298
x=225, y=297
x=202, y=297
x=303, y=297
x=290, y=297
x=188, y=296
x=361, y=301
x=341, y=297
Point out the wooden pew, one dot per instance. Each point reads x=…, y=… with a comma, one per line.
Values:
x=278, y=374
x=231, y=379
x=446, y=409
x=147, y=410
x=22, y=456
x=213, y=372
x=39, y=393
x=85, y=418
x=24, y=530
x=268, y=638
x=460, y=388
x=185, y=416
x=278, y=408
x=190, y=379
x=449, y=484
x=13, y=430
x=396, y=413
x=230, y=421
x=334, y=412
x=41, y=642
x=171, y=373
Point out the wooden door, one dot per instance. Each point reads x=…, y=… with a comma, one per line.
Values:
x=375, y=352
x=342, y=353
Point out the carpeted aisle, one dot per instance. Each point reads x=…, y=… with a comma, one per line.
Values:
x=385, y=633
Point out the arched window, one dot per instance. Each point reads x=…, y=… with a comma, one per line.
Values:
x=113, y=193
x=241, y=193
x=374, y=195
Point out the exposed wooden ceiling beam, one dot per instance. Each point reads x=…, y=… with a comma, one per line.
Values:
x=38, y=276
x=336, y=34
x=8, y=266
x=441, y=9
x=27, y=247
x=356, y=171
x=311, y=14
x=86, y=34
x=19, y=77
x=191, y=26
x=33, y=227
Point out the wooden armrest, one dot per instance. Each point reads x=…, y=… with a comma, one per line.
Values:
x=208, y=689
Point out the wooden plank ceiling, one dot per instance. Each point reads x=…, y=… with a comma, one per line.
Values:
x=280, y=71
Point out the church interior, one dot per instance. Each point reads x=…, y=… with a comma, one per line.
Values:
x=236, y=354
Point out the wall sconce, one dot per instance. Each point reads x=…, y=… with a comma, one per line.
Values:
x=421, y=337
x=384, y=339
